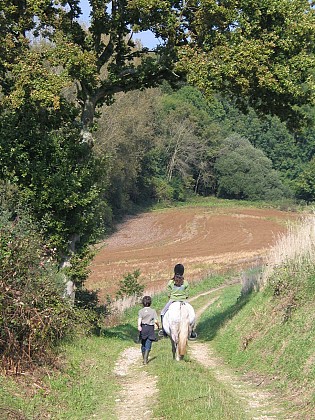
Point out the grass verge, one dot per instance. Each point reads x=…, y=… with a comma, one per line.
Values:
x=189, y=391
x=254, y=336
x=84, y=385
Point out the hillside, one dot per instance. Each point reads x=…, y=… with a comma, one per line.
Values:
x=208, y=238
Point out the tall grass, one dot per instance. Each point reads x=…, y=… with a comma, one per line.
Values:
x=297, y=244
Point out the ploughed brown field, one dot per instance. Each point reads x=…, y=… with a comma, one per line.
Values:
x=205, y=240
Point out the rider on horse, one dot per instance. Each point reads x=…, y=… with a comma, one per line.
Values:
x=178, y=289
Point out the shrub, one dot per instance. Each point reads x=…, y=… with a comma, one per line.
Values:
x=162, y=190
x=305, y=183
x=129, y=285
x=33, y=314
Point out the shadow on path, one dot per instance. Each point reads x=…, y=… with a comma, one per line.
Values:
x=208, y=328
x=126, y=332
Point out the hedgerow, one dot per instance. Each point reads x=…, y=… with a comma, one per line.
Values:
x=34, y=315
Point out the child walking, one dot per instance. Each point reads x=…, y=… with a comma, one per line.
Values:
x=147, y=319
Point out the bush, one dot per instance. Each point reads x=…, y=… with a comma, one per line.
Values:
x=130, y=286
x=163, y=191
x=33, y=314
x=305, y=183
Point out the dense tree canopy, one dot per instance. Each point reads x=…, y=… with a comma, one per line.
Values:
x=244, y=172
x=260, y=52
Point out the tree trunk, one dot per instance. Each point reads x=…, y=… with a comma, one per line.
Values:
x=87, y=118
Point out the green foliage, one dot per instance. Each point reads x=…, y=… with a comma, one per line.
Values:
x=130, y=286
x=244, y=172
x=59, y=175
x=260, y=53
x=284, y=148
x=10, y=197
x=33, y=315
x=163, y=190
x=305, y=183
x=79, y=269
x=126, y=136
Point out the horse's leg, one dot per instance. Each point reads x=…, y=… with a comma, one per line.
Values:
x=176, y=354
x=174, y=348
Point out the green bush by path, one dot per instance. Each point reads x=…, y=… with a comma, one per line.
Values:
x=34, y=316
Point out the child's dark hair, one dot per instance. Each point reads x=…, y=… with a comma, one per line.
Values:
x=146, y=301
x=179, y=269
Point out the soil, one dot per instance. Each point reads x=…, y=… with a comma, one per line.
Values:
x=205, y=240
x=138, y=388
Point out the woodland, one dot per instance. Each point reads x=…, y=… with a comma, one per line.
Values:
x=94, y=126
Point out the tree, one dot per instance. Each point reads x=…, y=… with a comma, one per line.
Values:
x=42, y=83
x=244, y=172
x=285, y=149
x=101, y=61
x=188, y=138
x=261, y=53
x=62, y=180
x=305, y=183
x=126, y=135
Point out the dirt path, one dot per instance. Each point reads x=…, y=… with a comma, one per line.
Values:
x=139, y=388
x=259, y=404
x=135, y=394
x=205, y=240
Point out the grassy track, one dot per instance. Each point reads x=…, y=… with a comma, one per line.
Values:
x=87, y=388
x=188, y=390
x=86, y=385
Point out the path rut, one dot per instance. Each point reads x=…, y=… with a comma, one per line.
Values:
x=139, y=388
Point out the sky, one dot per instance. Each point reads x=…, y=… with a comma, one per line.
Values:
x=147, y=38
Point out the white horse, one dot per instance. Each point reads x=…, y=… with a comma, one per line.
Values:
x=178, y=323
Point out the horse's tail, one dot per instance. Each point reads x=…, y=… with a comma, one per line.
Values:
x=183, y=330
